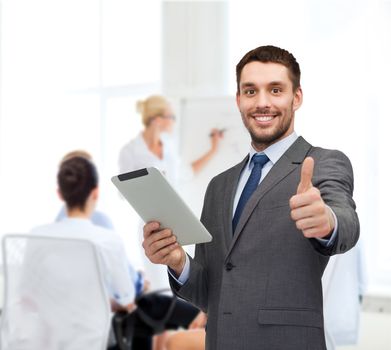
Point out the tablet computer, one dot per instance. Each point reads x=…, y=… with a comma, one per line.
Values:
x=154, y=199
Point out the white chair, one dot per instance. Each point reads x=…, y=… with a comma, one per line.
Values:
x=55, y=297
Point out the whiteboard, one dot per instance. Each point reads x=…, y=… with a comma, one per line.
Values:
x=197, y=117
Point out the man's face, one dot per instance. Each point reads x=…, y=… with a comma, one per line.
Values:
x=267, y=102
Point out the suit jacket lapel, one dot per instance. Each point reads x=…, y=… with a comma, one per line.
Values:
x=288, y=162
x=229, y=196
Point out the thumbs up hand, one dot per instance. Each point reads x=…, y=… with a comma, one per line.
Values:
x=312, y=216
x=307, y=171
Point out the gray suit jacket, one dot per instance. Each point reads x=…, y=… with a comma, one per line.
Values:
x=261, y=285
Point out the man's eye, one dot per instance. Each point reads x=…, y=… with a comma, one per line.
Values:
x=249, y=92
x=276, y=90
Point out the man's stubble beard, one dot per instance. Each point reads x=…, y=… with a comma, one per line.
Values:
x=263, y=141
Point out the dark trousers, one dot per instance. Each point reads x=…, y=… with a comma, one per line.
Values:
x=156, y=307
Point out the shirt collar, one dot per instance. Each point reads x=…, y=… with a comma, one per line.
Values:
x=276, y=150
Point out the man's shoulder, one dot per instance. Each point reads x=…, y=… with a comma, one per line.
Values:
x=331, y=163
x=321, y=153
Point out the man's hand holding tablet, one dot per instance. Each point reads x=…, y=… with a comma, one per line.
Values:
x=161, y=247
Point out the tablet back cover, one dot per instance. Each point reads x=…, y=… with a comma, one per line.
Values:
x=154, y=199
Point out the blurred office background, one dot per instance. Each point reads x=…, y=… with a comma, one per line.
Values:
x=71, y=72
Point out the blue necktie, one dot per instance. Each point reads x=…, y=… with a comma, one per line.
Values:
x=259, y=160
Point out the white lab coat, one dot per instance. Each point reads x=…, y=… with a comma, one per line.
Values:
x=136, y=155
x=343, y=282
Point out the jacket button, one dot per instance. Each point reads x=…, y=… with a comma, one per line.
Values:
x=229, y=266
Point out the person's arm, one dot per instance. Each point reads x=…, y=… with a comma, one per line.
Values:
x=328, y=241
x=116, y=307
x=323, y=193
x=184, y=276
x=161, y=247
x=216, y=136
x=199, y=321
x=190, y=340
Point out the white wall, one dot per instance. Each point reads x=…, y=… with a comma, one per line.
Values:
x=71, y=72
x=195, y=48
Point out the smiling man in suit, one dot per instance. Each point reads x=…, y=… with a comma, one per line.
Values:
x=275, y=219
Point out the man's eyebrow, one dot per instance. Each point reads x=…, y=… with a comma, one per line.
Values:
x=277, y=82
x=272, y=83
x=247, y=84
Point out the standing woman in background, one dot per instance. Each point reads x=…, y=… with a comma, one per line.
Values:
x=152, y=148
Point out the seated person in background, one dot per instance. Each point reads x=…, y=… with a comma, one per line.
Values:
x=78, y=187
x=191, y=339
x=98, y=218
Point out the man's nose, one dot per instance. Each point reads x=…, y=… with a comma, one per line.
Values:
x=263, y=99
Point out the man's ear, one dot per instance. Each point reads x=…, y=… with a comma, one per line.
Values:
x=297, y=99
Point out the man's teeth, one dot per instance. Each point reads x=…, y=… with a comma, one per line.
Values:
x=264, y=119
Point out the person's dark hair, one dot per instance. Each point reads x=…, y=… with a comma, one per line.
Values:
x=76, y=178
x=271, y=54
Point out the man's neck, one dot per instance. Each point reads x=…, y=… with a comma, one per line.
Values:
x=77, y=213
x=260, y=147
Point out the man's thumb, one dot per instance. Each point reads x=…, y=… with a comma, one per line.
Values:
x=307, y=170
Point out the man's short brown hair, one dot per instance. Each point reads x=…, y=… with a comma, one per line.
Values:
x=271, y=54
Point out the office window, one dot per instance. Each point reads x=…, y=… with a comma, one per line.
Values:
x=71, y=72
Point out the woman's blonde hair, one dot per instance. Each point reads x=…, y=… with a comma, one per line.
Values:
x=151, y=107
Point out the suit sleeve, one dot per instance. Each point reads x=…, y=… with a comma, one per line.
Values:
x=333, y=176
x=195, y=289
